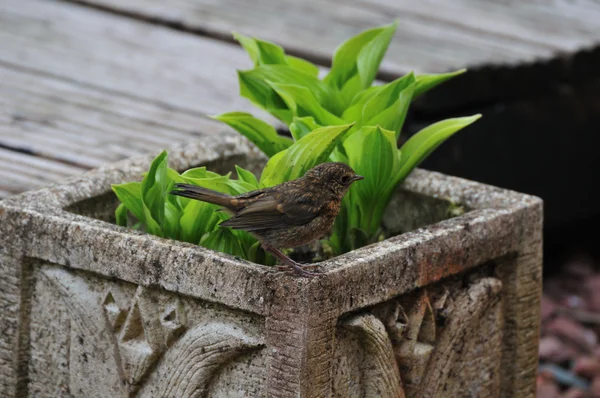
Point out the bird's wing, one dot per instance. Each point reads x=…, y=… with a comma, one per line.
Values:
x=270, y=212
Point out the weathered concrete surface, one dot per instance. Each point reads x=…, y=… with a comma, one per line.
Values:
x=88, y=308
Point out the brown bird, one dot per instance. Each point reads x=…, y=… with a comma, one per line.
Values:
x=287, y=215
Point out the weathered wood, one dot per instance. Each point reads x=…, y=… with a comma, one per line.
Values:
x=432, y=36
x=76, y=124
x=20, y=172
x=76, y=94
x=122, y=56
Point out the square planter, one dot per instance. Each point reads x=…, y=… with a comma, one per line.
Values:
x=447, y=308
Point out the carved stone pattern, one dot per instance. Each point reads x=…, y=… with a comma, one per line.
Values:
x=121, y=340
x=431, y=343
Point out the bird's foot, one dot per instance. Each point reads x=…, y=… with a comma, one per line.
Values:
x=300, y=269
x=290, y=265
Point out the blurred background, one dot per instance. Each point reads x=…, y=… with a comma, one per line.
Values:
x=83, y=83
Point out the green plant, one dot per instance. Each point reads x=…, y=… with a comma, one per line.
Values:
x=342, y=117
x=291, y=90
x=175, y=217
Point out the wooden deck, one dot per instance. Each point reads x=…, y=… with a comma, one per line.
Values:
x=87, y=82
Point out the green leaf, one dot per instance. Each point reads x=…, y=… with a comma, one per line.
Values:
x=420, y=145
x=173, y=175
x=427, y=82
x=301, y=101
x=359, y=56
x=197, y=218
x=199, y=172
x=371, y=55
x=312, y=149
x=246, y=176
x=222, y=240
x=130, y=196
x=392, y=117
x=154, y=187
x=263, y=52
x=270, y=53
x=254, y=86
x=301, y=126
x=378, y=97
x=373, y=153
x=352, y=87
x=260, y=133
x=171, y=222
x=385, y=96
x=121, y=215
x=249, y=44
x=173, y=178
x=222, y=184
x=152, y=226
x=302, y=65
x=353, y=113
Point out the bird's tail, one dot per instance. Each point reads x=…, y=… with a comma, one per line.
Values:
x=203, y=194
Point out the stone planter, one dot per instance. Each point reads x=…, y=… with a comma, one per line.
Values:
x=89, y=309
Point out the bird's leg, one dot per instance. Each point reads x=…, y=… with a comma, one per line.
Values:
x=296, y=267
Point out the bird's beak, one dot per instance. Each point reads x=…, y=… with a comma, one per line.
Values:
x=357, y=177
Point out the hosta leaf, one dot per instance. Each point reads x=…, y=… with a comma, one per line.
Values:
x=263, y=52
x=249, y=44
x=152, y=226
x=373, y=153
x=302, y=65
x=420, y=145
x=246, y=176
x=173, y=175
x=301, y=126
x=121, y=215
x=272, y=173
x=352, y=87
x=310, y=150
x=154, y=187
x=371, y=55
x=301, y=101
x=386, y=95
x=197, y=218
x=173, y=178
x=222, y=240
x=154, y=210
x=427, y=82
x=130, y=196
x=222, y=184
x=270, y=53
x=260, y=133
x=360, y=55
x=254, y=86
x=353, y=113
x=199, y=172
x=157, y=175
x=262, y=95
x=171, y=221
x=392, y=118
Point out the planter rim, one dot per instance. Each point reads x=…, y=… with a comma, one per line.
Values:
x=491, y=229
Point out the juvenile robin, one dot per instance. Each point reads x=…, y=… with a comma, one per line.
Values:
x=288, y=215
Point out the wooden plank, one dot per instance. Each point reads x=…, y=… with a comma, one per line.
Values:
x=81, y=87
x=433, y=35
x=20, y=172
x=79, y=125
x=122, y=56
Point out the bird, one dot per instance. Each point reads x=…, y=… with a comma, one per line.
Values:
x=287, y=215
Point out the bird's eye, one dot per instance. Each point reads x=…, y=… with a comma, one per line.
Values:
x=345, y=179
